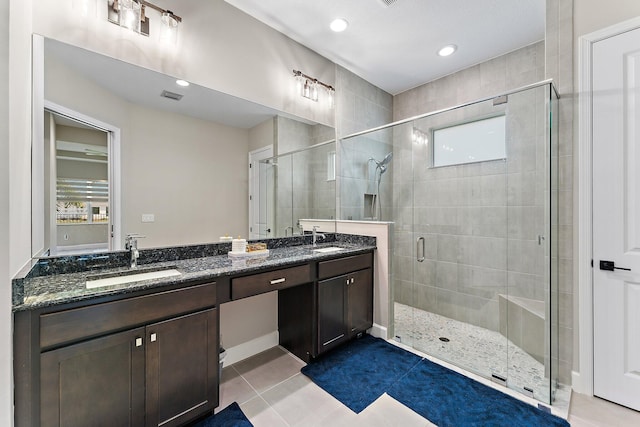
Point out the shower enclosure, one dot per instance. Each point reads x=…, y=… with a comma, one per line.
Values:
x=472, y=193
x=295, y=186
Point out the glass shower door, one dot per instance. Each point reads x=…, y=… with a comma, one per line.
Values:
x=531, y=201
x=460, y=237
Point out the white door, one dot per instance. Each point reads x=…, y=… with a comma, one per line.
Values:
x=258, y=226
x=616, y=218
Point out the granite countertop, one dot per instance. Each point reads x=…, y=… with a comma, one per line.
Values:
x=38, y=289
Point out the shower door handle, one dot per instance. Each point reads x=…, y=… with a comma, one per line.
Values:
x=420, y=245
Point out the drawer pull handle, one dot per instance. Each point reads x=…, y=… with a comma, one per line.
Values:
x=154, y=337
x=334, y=339
x=138, y=342
x=276, y=281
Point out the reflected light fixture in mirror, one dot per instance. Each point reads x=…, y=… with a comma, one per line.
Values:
x=420, y=137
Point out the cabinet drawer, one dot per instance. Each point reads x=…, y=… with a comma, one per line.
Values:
x=337, y=267
x=85, y=322
x=255, y=284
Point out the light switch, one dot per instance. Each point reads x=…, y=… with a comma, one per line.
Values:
x=148, y=218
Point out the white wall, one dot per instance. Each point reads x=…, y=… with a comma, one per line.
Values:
x=15, y=179
x=173, y=166
x=262, y=135
x=592, y=15
x=6, y=395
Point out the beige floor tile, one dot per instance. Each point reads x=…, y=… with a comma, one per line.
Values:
x=261, y=414
x=234, y=388
x=268, y=368
x=300, y=402
x=339, y=417
x=600, y=412
x=388, y=412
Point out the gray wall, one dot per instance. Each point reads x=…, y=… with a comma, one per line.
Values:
x=559, y=66
x=300, y=179
x=360, y=106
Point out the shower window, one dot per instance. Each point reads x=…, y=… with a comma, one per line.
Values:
x=477, y=141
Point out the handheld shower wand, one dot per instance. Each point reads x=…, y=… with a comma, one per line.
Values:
x=382, y=167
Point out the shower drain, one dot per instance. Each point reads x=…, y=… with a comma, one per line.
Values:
x=444, y=339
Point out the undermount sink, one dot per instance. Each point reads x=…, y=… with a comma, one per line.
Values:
x=130, y=277
x=329, y=249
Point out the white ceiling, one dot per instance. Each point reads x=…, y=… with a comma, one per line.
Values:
x=143, y=87
x=395, y=47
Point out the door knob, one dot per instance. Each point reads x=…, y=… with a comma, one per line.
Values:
x=611, y=266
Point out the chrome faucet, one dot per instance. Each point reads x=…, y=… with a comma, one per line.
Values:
x=131, y=245
x=315, y=235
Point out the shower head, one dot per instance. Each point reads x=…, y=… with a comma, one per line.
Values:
x=387, y=159
x=383, y=163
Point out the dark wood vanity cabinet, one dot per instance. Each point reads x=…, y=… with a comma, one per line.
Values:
x=181, y=368
x=163, y=370
x=318, y=316
x=93, y=382
x=345, y=308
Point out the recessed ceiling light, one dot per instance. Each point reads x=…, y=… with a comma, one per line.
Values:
x=447, y=50
x=182, y=83
x=338, y=25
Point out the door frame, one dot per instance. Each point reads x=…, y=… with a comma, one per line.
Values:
x=114, y=169
x=582, y=381
x=260, y=153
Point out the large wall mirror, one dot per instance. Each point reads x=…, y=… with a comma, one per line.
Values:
x=119, y=149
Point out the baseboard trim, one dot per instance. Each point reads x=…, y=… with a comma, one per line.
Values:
x=378, y=331
x=251, y=348
x=577, y=384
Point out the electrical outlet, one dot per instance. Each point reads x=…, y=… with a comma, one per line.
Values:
x=148, y=218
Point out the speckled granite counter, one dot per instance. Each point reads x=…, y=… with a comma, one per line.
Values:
x=54, y=281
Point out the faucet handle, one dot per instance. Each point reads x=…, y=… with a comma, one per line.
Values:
x=135, y=236
x=130, y=238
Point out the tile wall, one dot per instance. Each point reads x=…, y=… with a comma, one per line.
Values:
x=300, y=179
x=361, y=106
x=559, y=67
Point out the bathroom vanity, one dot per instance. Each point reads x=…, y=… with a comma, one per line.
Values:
x=150, y=347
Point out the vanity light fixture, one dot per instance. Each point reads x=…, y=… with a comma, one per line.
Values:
x=132, y=14
x=308, y=87
x=339, y=25
x=448, y=50
x=419, y=137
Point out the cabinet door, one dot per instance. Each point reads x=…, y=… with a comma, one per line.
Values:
x=99, y=382
x=182, y=368
x=360, y=301
x=332, y=325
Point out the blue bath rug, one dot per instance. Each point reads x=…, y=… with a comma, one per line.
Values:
x=361, y=371
x=231, y=416
x=449, y=399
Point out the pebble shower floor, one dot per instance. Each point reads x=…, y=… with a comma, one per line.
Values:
x=474, y=348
